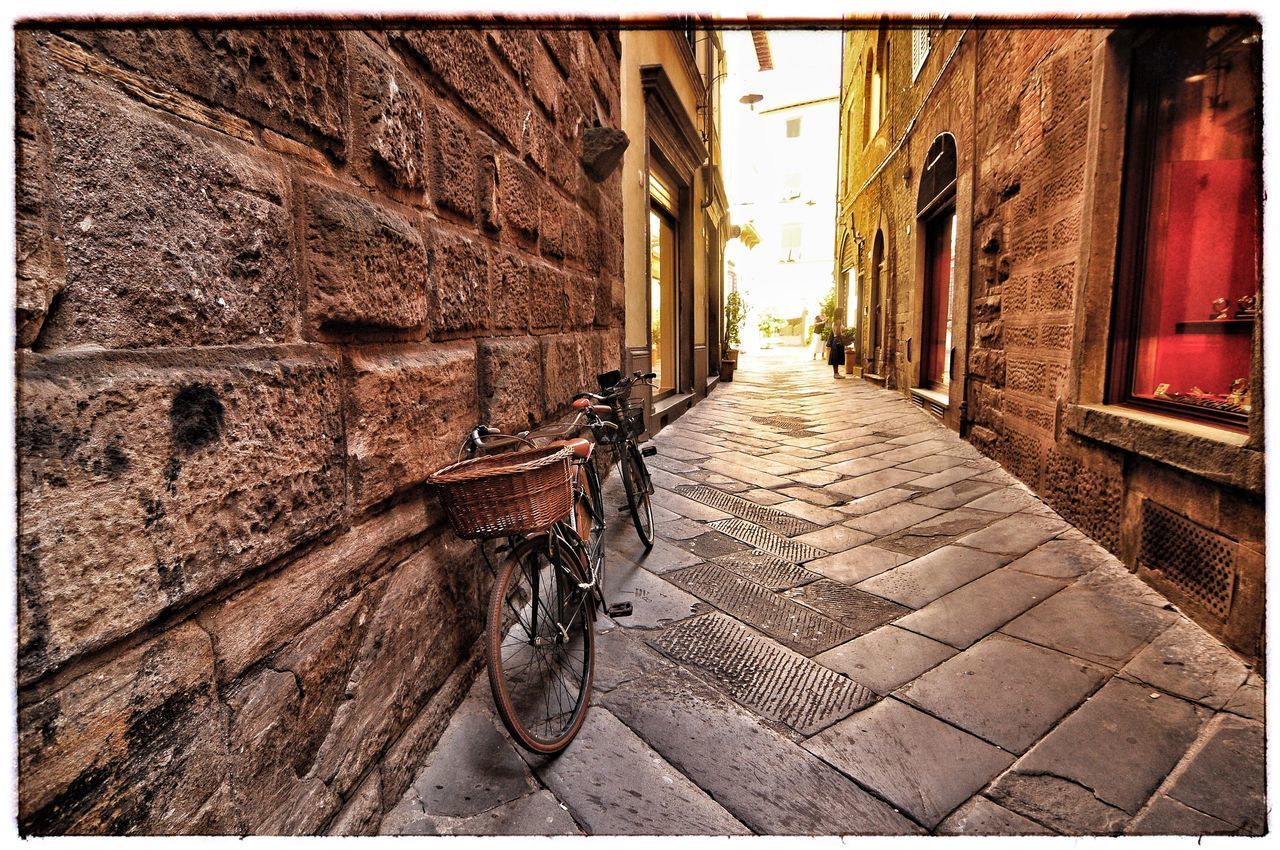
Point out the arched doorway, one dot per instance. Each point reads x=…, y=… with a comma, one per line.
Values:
x=847, y=296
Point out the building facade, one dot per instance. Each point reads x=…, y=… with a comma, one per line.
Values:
x=1055, y=248
x=268, y=281
x=675, y=215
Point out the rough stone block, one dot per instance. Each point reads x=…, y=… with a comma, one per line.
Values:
x=137, y=746
x=460, y=289
x=423, y=625
x=582, y=301
x=391, y=106
x=554, y=225
x=362, y=815
x=518, y=198
x=171, y=237
x=367, y=265
x=262, y=730
x=462, y=61
x=453, y=179
x=260, y=619
x=291, y=80
x=510, y=383
x=148, y=481
x=510, y=292
x=549, y=298
x=41, y=267
x=409, y=409
x=566, y=369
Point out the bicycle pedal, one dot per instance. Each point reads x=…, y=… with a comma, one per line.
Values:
x=624, y=509
x=648, y=451
x=619, y=609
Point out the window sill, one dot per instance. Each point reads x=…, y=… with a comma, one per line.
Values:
x=1216, y=454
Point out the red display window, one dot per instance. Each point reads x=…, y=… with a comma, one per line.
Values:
x=1189, y=264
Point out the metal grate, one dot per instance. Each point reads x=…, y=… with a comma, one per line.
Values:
x=802, y=432
x=761, y=675
x=767, y=541
x=854, y=609
x=783, y=422
x=1198, y=561
x=779, y=522
x=766, y=570
x=793, y=625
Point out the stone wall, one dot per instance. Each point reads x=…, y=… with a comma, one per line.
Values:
x=267, y=281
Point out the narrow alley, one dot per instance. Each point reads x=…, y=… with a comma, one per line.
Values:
x=854, y=623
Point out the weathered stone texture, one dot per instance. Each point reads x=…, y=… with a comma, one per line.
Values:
x=367, y=265
x=395, y=116
x=291, y=80
x=410, y=409
x=171, y=237
x=137, y=745
x=511, y=390
x=148, y=481
x=268, y=279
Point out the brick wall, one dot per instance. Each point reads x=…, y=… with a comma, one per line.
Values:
x=267, y=281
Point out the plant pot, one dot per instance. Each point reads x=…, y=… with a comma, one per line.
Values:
x=732, y=356
x=726, y=370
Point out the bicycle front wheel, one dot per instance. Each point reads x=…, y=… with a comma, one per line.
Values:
x=635, y=479
x=541, y=646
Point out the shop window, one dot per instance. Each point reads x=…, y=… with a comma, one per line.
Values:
x=1188, y=274
x=664, y=264
x=791, y=186
x=935, y=207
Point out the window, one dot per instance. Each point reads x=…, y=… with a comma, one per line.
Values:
x=921, y=41
x=1188, y=274
x=868, y=96
x=663, y=273
x=791, y=238
x=791, y=185
x=793, y=128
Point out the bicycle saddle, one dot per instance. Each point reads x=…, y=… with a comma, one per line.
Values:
x=580, y=445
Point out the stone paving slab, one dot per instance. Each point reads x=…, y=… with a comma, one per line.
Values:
x=938, y=531
x=1065, y=559
x=1014, y=535
x=893, y=518
x=977, y=609
x=861, y=562
x=1120, y=744
x=1233, y=748
x=655, y=602
x=745, y=765
x=615, y=784
x=919, y=582
x=1092, y=625
x=920, y=764
x=1184, y=660
x=980, y=816
x=1005, y=691
x=886, y=658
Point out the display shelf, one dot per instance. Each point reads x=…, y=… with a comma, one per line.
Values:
x=1216, y=326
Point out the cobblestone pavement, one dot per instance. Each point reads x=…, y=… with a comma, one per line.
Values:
x=853, y=622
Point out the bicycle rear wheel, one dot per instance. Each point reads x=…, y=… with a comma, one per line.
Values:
x=541, y=646
x=635, y=479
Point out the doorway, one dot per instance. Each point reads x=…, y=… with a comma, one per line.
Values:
x=939, y=286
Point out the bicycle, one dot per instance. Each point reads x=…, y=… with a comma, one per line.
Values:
x=546, y=501
x=615, y=401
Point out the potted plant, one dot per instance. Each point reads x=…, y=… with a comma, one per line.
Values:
x=735, y=316
x=849, y=336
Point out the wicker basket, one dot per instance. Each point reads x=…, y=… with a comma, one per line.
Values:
x=506, y=494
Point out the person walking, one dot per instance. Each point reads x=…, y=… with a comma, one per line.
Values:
x=836, y=358
x=819, y=327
